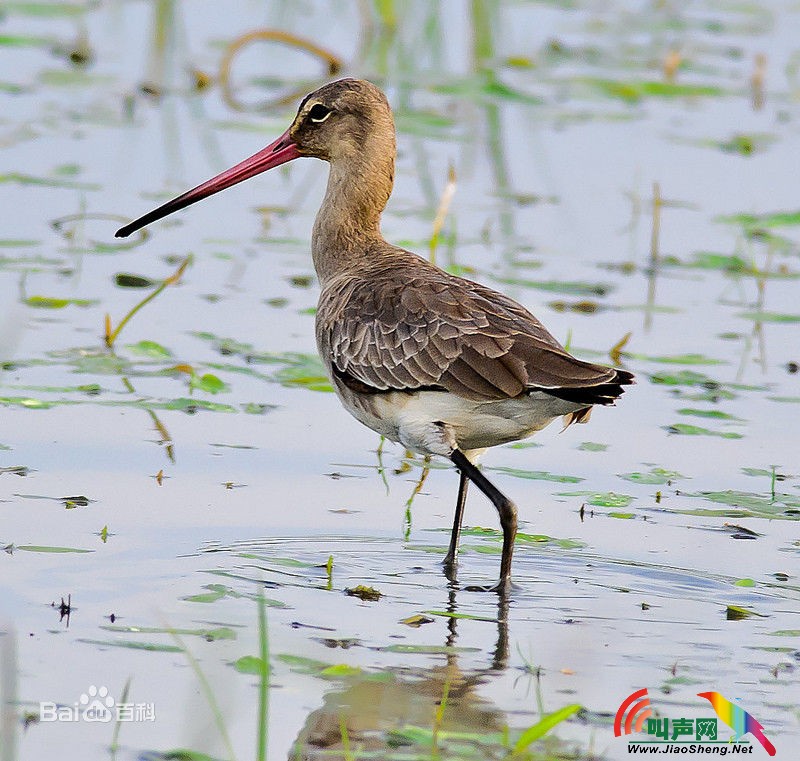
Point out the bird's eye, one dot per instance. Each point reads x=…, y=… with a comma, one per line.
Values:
x=319, y=113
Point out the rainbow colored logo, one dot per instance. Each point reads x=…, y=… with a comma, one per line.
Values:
x=634, y=715
x=737, y=719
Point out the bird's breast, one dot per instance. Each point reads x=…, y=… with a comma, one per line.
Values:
x=432, y=422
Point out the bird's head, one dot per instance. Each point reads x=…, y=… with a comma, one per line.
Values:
x=344, y=121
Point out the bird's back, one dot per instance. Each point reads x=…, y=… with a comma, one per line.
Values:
x=398, y=323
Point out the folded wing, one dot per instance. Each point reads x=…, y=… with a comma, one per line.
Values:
x=386, y=333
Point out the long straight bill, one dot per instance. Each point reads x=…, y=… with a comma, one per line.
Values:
x=275, y=154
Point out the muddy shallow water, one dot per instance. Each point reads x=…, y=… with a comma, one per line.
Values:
x=619, y=168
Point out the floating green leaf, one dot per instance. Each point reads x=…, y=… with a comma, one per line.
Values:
x=683, y=378
x=713, y=414
x=497, y=536
x=676, y=359
x=481, y=531
x=255, y=408
x=709, y=260
x=18, y=243
x=457, y=615
x=746, y=144
x=185, y=405
x=73, y=78
x=179, y=754
x=303, y=665
x=428, y=649
x=364, y=592
x=747, y=504
x=215, y=592
x=309, y=374
x=24, y=41
x=150, y=647
x=24, y=401
x=485, y=85
x=683, y=429
x=757, y=472
x=538, y=475
x=634, y=91
x=298, y=369
x=45, y=548
x=49, y=302
x=779, y=317
x=211, y=635
x=743, y=144
x=654, y=476
x=208, y=382
x=736, y=265
x=44, y=10
x=416, y=620
x=149, y=349
x=18, y=178
x=283, y=562
x=610, y=499
x=91, y=361
x=17, y=470
x=126, y=280
x=601, y=499
x=339, y=671
x=414, y=743
x=751, y=499
x=752, y=222
x=572, y=287
x=12, y=88
x=249, y=664
x=564, y=544
x=737, y=613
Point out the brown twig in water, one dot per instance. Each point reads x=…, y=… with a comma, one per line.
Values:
x=671, y=63
x=333, y=62
x=654, y=256
x=615, y=351
x=757, y=81
x=441, y=212
x=656, y=231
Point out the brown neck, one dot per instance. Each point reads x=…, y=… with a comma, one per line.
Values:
x=349, y=218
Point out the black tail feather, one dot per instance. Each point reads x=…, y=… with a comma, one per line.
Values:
x=603, y=393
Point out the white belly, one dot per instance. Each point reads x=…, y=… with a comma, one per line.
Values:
x=417, y=420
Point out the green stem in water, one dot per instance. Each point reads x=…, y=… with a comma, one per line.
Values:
x=111, y=335
x=263, y=682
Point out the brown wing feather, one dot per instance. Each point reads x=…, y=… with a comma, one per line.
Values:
x=412, y=326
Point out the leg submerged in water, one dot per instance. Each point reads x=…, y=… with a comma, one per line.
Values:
x=506, y=509
x=451, y=559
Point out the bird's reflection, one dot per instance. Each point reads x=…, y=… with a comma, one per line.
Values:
x=377, y=712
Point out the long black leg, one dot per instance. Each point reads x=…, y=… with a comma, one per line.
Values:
x=505, y=508
x=452, y=553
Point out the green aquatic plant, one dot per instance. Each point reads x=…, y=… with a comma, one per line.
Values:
x=112, y=334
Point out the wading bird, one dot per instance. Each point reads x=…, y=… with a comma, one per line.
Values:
x=443, y=365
